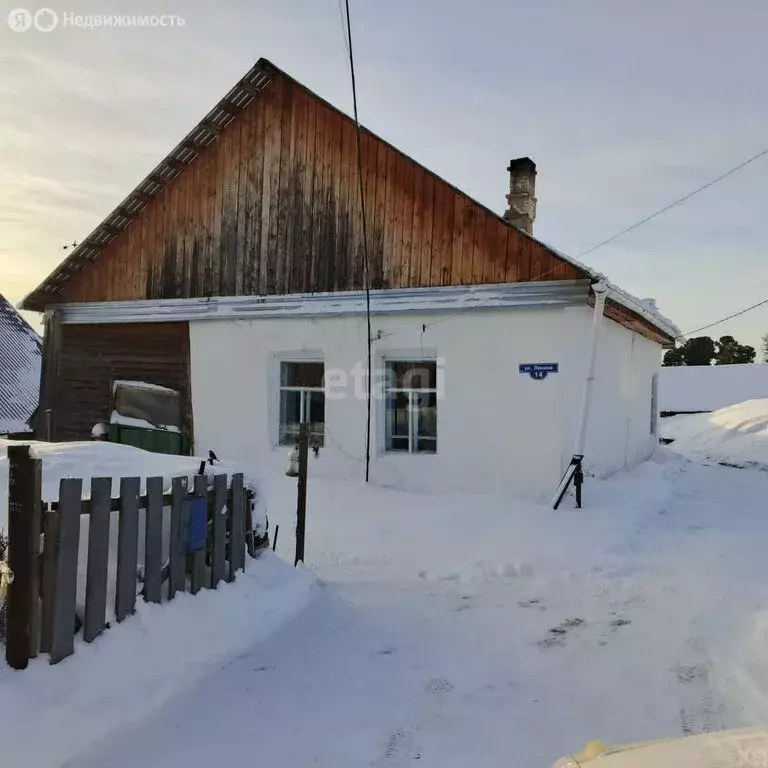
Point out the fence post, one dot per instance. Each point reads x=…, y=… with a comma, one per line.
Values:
x=301, y=502
x=23, y=556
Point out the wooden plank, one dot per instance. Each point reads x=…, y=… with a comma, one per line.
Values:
x=287, y=197
x=127, y=547
x=390, y=255
x=309, y=181
x=153, y=540
x=425, y=272
x=50, y=553
x=535, y=253
x=238, y=501
x=325, y=253
x=245, y=204
x=98, y=558
x=379, y=210
x=397, y=222
x=255, y=185
x=272, y=162
x=447, y=234
x=438, y=226
x=198, y=557
x=65, y=590
x=336, y=279
x=414, y=275
x=219, y=544
x=347, y=178
x=318, y=191
x=301, y=104
x=24, y=506
x=409, y=173
x=499, y=234
x=369, y=176
x=481, y=252
x=177, y=551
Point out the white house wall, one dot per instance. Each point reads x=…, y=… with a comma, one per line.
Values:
x=498, y=430
x=619, y=429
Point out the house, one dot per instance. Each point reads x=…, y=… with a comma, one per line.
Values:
x=235, y=274
x=20, y=356
x=703, y=388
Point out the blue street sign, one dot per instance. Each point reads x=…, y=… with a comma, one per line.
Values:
x=539, y=371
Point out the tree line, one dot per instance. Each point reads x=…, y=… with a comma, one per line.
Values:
x=704, y=350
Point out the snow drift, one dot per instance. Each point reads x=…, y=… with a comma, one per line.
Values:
x=737, y=435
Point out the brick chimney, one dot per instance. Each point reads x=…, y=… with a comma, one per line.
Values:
x=522, y=193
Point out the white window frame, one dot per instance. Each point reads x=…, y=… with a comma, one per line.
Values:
x=413, y=411
x=295, y=357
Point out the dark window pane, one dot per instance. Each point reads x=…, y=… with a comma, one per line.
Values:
x=290, y=405
x=397, y=415
x=397, y=444
x=301, y=374
x=420, y=374
x=316, y=416
x=425, y=445
x=426, y=405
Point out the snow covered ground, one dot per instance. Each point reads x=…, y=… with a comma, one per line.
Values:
x=736, y=435
x=453, y=630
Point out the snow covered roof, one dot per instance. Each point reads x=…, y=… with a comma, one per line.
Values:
x=698, y=388
x=20, y=358
x=646, y=308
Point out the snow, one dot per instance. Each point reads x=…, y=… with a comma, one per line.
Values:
x=452, y=629
x=102, y=459
x=50, y=715
x=736, y=435
x=695, y=388
x=141, y=385
x=130, y=421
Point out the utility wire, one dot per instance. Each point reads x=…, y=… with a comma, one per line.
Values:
x=675, y=202
x=728, y=317
x=366, y=275
x=634, y=226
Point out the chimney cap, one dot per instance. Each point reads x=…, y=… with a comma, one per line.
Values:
x=522, y=164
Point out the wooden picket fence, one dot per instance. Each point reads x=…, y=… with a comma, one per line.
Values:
x=210, y=529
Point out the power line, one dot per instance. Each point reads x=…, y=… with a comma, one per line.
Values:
x=729, y=317
x=366, y=273
x=675, y=203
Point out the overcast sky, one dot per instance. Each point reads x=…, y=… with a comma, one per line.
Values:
x=624, y=106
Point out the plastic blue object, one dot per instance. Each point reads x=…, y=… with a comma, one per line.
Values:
x=198, y=514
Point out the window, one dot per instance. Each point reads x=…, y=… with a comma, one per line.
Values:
x=655, y=404
x=302, y=400
x=411, y=407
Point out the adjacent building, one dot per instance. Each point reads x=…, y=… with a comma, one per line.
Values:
x=236, y=274
x=20, y=355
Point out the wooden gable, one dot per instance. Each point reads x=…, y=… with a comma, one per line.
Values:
x=271, y=206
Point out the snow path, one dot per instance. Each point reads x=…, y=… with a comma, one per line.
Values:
x=390, y=664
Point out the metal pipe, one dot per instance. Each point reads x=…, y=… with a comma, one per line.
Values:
x=601, y=292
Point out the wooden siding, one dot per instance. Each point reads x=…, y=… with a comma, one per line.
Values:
x=273, y=207
x=86, y=359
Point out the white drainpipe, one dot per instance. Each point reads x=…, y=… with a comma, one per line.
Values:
x=601, y=292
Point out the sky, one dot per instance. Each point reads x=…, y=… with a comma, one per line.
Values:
x=624, y=107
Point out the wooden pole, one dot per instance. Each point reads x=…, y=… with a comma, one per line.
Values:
x=23, y=555
x=301, y=501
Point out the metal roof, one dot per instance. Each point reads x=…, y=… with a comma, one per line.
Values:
x=20, y=358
